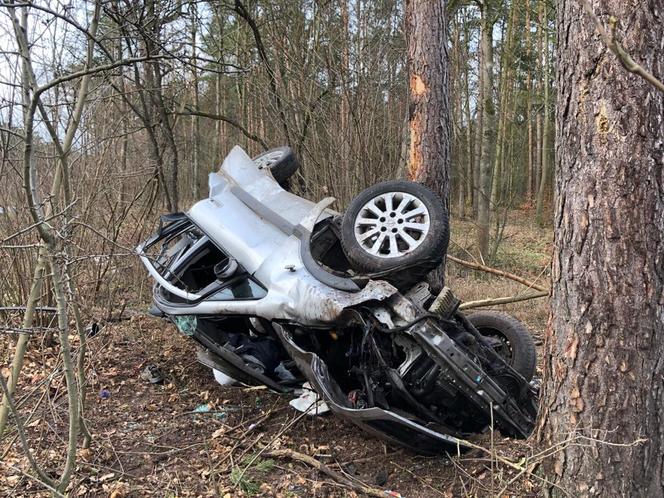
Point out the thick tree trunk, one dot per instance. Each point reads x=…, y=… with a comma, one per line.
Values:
x=604, y=369
x=428, y=120
x=430, y=136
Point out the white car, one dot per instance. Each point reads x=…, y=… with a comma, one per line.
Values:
x=279, y=290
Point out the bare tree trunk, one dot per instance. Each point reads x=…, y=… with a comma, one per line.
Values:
x=479, y=131
x=545, y=125
x=344, y=110
x=529, y=107
x=604, y=369
x=195, y=123
x=470, y=137
x=488, y=134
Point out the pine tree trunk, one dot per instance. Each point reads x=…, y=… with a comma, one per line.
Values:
x=429, y=154
x=428, y=120
x=604, y=370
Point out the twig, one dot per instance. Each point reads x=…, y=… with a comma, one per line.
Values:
x=55, y=492
x=43, y=478
x=611, y=41
x=502, y=300
x=266, y=447
x=501, y=273
x=225, y=119
x=309, y=460
x=418, y=478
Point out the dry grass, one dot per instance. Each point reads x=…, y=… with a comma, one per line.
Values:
x=525, y=250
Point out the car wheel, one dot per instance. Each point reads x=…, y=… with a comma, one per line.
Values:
x=510, y=339
x=281, y=162
x=396, y=224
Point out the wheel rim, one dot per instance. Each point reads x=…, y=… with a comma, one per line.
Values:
x=500, y=343
x=268, y=159
x=392, y=225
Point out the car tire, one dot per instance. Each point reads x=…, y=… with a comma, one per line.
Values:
x=396, y=224
x=280, y=161
x=516, y=345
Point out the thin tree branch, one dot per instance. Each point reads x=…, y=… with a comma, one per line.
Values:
x=46, y=480
x=341, y=479
x=501, y=273
x=611, y=41
x=225, y=119
x=502, y=300
x=93, y=70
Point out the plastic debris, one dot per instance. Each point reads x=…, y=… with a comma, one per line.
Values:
x=207, y=409
x=202, y=408
x=92, y=329
x=222, y=378
x=309, y=402
x=104, y=394
x=185, y=324
x=152, y=374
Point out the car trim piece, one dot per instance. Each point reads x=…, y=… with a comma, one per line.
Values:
x=468, y=377
x=317, y=271
x=189, y=296
x=262, y=210
x=303, y=232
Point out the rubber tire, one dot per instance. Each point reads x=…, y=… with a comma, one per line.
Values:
x=285, y=167
x=429, y=253
x=524, y=354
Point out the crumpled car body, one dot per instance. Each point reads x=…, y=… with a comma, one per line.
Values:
x=242, y=274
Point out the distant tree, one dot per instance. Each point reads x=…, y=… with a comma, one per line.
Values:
x=604, y=368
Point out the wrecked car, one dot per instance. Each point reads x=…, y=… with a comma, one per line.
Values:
x=278, y=290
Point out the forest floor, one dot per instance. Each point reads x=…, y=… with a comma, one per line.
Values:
x=155, y=440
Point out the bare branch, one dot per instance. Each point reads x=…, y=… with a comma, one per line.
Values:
x=46, y=480
x=501, y=273
x=225, y=119
x=502, y=300
x=611, y=41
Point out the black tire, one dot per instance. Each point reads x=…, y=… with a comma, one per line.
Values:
x=280, y=161
x=516, y=346
x=416, y=263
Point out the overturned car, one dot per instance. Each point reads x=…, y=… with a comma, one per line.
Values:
x=279, y=290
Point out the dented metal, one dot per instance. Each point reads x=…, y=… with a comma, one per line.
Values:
x=239, y=274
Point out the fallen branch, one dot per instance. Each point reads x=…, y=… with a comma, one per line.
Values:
x=502, y=300
x=341, y=479
x=502, y=273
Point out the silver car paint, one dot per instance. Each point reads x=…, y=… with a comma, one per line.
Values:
x=268, y=252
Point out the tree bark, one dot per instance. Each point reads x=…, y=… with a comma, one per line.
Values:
x=429, y=127
x=488, y=133
x=195, y=121
x=604, y=369
x=544, y=20
x=429, y=115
